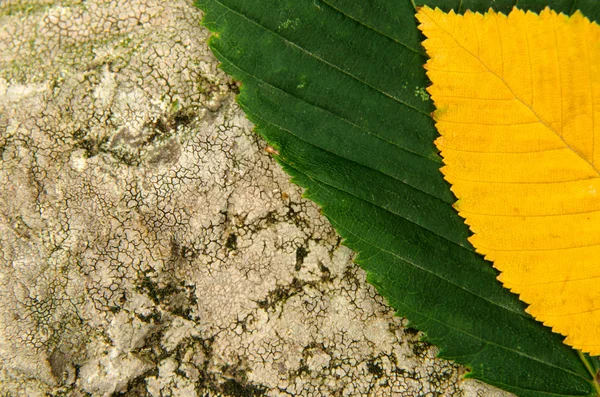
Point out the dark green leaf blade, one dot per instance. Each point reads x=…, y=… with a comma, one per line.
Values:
x=337, y=86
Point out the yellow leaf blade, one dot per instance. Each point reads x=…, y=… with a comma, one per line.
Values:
x=516, y=110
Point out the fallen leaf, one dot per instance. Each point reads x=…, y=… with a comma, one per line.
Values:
x=518, y=111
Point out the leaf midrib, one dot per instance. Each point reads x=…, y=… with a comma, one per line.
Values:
x=581, y=357
x=537, y=116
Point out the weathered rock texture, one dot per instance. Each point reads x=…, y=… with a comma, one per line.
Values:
x=148, y=244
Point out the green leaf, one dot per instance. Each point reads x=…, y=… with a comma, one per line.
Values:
x=337, y=87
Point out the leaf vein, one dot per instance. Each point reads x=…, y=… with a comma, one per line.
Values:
x=470, y=292
x=373, y=29
x=322, y=60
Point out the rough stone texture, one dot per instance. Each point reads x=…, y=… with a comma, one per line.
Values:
x=149, y=246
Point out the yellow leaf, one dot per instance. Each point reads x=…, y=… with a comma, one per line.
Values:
x=518, y=111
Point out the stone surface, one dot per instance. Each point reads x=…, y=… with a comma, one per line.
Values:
x=149, y=246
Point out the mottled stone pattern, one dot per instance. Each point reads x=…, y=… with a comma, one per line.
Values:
x=149, y=246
